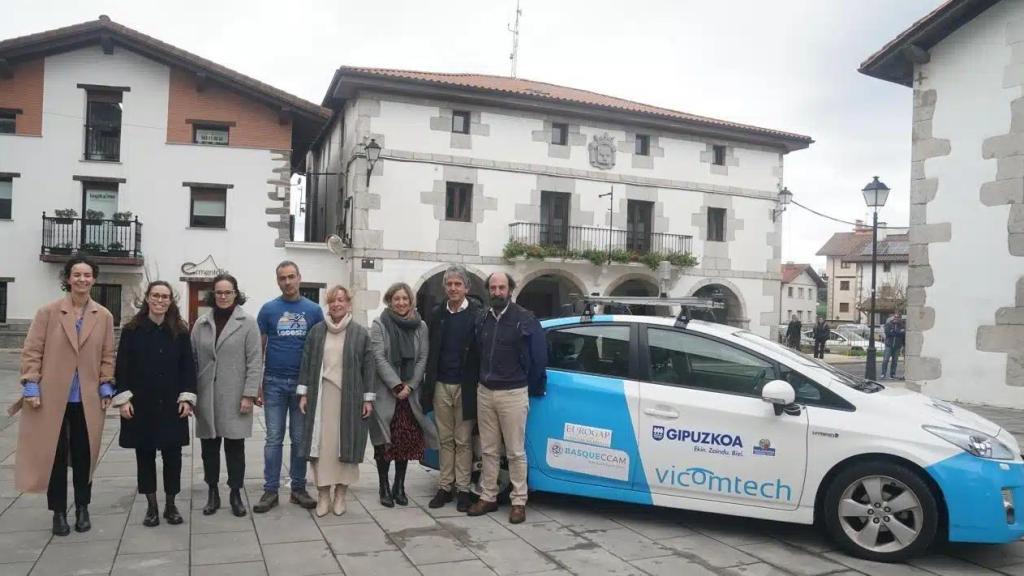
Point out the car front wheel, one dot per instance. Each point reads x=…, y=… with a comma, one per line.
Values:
x=881, y=511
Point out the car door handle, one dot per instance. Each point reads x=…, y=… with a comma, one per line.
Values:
x=661, y=413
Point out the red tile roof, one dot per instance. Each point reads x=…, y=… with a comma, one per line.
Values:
x=94, y=31
x=843, y=243
x=554, y=92
x=792, y=271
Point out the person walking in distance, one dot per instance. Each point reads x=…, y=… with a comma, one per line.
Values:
x=513, y=360
x=156, y=390
x=229, y=361
x=449, y=386
x=895, y=336
x=336, y=394
x=284, y=323
x=67, y=374
x=399, y=429
x=821, y=333
x=793, y=331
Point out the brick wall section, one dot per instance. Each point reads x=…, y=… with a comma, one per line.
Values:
x=25, y=91
x=256, y=124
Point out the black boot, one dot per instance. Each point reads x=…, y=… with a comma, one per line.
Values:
x=152, y=512
x=212, y=501
x=60, y=524
x=171, y=511
x=237, y=506
x=398, y=490
x=382, y=477
x=82, y=523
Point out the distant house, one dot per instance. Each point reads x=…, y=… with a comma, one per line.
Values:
x=800, y=286
x=964, y=62
x=848, y=269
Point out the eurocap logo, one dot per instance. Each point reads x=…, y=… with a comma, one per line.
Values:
x=658, y=432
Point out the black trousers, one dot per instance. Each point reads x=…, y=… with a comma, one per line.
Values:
x=819, y=348
x=234, y=453
x=73, y=445
x=145, y=461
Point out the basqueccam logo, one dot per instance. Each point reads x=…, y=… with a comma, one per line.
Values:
x=707, y=480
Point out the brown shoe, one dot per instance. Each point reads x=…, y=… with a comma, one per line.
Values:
x=517, y=515
x=481, y=507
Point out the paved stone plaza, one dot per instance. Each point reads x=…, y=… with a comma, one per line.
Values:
x=561, y=536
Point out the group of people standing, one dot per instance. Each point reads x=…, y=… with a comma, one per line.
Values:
x=332, y=383
x=894, y=332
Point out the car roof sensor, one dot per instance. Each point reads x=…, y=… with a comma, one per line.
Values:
x=690, y=307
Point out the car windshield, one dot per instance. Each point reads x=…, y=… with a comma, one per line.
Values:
x=801, y=360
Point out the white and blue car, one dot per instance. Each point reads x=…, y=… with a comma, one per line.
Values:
x=708, y=417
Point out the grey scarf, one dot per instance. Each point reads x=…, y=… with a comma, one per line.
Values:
x=402, y=339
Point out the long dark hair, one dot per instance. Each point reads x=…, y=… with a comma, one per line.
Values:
x=172, y=319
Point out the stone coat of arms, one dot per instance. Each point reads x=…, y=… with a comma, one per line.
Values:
x=602, y=152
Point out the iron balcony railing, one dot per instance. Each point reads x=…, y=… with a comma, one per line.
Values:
x=581, y=238
x=110, y=238
x=103, y=142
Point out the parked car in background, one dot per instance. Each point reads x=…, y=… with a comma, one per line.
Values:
x=838, y=343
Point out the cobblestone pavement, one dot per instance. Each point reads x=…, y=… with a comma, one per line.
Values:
x=561, y=536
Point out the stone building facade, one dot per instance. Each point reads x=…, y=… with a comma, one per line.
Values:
x=964, y=63
x=541, y=180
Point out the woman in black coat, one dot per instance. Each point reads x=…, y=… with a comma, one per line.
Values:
x=156, y=384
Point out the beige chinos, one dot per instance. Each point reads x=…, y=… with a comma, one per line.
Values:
x=501, y=417
x=455, y=436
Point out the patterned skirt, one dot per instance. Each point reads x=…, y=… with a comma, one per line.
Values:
x=406, y=436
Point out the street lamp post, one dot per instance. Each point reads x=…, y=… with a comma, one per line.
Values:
x=875, y=195
x=372, y=155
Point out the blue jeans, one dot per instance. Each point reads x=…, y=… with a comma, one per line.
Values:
x=280, y=403
x=891, y=353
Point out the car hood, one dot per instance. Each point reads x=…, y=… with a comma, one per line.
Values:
x=909, y=404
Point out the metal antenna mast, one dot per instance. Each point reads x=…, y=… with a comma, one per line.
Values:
x=514, y=56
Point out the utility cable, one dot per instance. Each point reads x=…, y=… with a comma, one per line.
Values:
x=841, y=221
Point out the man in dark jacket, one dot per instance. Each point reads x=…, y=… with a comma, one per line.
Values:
x=895, y=336
x=821, y=334
x=513, y=360
x=793, y=333
x=449, y=386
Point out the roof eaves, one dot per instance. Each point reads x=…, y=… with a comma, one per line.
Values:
x=68, y=37
x=792, y=141
x=895, y=61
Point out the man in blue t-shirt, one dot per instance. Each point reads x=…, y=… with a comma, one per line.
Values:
x=284, y=323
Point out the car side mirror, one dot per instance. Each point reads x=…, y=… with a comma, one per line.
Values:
x=779, y=394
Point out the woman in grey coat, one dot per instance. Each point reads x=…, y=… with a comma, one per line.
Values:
x=399, y=430
x=229, y=363
x=335, y=389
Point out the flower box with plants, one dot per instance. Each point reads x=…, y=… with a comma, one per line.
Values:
x=93, y=248
x=61, y=249
x=122, y=218
x=117, y=250
x=94, y=217
x=65, y=216
x=521, y=250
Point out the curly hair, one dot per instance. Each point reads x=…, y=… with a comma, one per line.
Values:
x=65, y=273
x=172, y=320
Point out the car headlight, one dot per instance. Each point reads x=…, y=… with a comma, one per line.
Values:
x=978, y=443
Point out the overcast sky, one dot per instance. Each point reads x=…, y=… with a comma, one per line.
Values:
x=785, y=64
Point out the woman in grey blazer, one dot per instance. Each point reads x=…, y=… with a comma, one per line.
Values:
x=229, y=363
x=399, y=430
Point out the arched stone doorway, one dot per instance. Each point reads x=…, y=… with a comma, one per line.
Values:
x=733, y=314
x=431, y=292
x=641, y=286
x=548, y=295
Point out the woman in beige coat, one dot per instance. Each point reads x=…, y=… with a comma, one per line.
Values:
x=67, y=371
